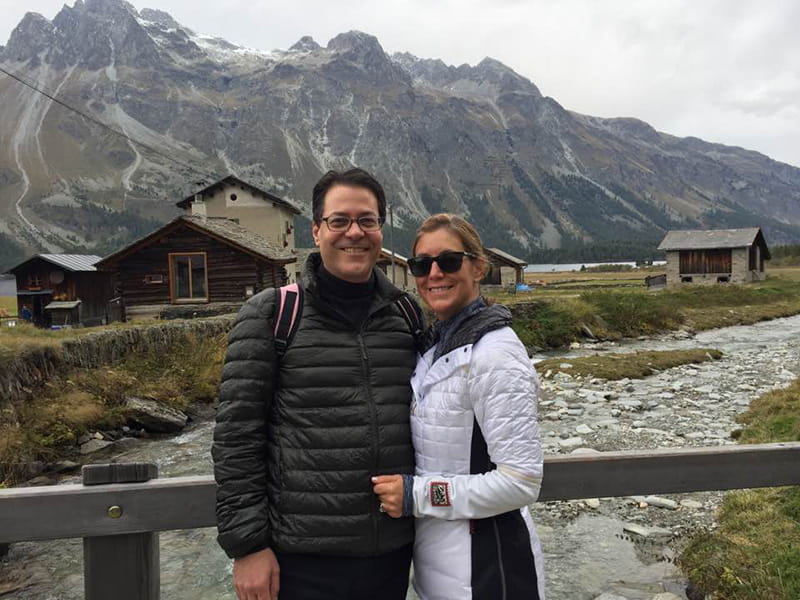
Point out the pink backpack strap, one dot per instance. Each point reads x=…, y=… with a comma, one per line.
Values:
x=290, y=306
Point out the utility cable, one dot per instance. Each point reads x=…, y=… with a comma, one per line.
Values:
x=39, y=89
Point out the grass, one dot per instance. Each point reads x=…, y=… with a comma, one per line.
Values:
x=755, y=552
x=558, y=314
x=633, y=365
x=46, y=427
x=8, y=306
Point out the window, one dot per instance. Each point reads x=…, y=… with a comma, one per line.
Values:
x=188, y=277
x=34, y=281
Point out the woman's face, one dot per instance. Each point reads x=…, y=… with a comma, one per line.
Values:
x=447, y=293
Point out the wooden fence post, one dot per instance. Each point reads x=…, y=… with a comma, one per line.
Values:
x=123, y=567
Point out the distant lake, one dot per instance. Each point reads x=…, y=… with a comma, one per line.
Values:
x=8, y=287
x=563, y=267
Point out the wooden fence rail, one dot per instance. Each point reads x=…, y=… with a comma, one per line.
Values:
x=119, y=508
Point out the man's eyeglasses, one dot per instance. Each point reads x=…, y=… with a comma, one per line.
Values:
x=448, y=262
x=367, y=223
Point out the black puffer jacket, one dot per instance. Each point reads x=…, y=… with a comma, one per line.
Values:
x=294, y=449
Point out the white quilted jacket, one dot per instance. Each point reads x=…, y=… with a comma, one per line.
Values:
x=461, y=552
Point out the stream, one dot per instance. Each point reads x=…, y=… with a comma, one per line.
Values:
x=595, y=549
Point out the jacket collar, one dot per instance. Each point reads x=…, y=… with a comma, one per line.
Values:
x=385, y=291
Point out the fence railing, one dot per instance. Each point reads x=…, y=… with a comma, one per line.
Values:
x=119, y=508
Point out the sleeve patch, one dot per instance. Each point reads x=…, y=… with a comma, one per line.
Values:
x=440, y=493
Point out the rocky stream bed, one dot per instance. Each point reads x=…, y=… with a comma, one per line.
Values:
x=595, y=549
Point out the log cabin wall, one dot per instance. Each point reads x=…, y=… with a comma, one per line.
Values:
x=92, y=288
x=144, y=276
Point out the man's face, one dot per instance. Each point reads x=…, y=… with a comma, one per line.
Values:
x=350, y=254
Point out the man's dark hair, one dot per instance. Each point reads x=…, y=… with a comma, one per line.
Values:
x=352, y=177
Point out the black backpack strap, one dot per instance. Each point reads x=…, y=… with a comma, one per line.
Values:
x=411, y=313
x=287, y=320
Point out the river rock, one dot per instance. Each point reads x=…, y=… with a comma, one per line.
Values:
x=661, y=502
x=583, y=429
x=692, y=504
x=666, y=596
x=94, y=445
x=570, y=443
x=644, y=531
x=154, y=416
x=610, y=596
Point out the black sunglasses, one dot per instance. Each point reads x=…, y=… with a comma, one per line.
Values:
x=448, y=262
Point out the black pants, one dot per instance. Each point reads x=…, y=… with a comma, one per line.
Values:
x=313, y=577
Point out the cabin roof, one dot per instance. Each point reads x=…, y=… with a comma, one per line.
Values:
x=505, y=256
x=706, y=239
x=233, y=180
x=70, y=262
x=220, y=228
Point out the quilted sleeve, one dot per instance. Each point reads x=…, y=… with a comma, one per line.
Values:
x=503, y=389
x=239, y=446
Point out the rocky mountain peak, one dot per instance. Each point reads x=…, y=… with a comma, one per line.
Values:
x=110, y=7
x=32, y=36
x=493, y=71
x=305, y=44
x=160, y=17
x=356, y=43
x=359, y=49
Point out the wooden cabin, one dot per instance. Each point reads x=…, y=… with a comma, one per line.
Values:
x=63, y=290
x=195, y=260
x=715, y=256
x=505, y=270
x=400, y=275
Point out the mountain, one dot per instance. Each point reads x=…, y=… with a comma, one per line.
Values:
x=478, y=140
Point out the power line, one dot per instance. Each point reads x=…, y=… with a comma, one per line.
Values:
x=39, y=89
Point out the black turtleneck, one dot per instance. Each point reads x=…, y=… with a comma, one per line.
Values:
x=351, y=299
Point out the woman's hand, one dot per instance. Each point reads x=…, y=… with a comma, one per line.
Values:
x=389, y=489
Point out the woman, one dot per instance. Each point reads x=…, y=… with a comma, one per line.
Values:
x=475, y=434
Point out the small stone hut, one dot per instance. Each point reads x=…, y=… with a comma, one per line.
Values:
x=715, y=256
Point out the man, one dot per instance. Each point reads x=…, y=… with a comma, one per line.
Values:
x=298, y=437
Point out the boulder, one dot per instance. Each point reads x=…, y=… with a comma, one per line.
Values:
x=94, y=445
x=154, y=416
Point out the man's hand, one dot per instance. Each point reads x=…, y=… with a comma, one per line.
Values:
x=389, y=489
x=257, y=576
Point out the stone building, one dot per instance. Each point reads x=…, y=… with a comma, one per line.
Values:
x=715, y=256
x=251, y=207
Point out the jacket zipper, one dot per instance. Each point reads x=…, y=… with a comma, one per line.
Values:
x=500, y=560
x=374, y=423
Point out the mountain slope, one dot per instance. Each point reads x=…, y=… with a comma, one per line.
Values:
x=480, y=140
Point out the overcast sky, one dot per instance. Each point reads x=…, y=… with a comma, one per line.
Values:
x=726, y=71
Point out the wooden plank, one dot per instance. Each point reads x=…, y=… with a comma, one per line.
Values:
x=71, y=511
x=99, y=474
x=123, y=567
x=670, y=471
x=74, y=511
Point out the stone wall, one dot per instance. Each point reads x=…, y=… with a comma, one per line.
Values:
x=21, y=376
x=740, y=270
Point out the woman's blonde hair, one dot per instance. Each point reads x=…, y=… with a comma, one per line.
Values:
x=461, y=228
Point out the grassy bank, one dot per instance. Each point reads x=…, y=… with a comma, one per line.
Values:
x=45, y=427
x=755, y=552
x=554, y=318
x=632, y=366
